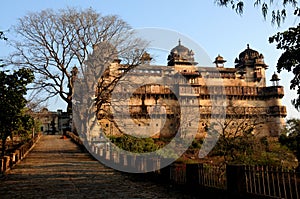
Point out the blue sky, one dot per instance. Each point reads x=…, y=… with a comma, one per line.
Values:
x=217, y=30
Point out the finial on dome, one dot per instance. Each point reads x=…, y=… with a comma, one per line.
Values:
x=248, y=46
x=179, y=42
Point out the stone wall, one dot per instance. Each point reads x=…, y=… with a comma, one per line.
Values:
x=8, y=161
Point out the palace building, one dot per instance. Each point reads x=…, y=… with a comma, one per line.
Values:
x=240, y=91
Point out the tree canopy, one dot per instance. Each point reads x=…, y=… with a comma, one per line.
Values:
x=291, y=137
x=12, y=100
x=289, y=42
x=277, y=11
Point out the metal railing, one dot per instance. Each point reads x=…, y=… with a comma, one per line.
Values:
x=272, y=182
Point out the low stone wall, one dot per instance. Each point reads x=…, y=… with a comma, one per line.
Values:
x=113, y=156
x=218, y=181
x=8, y=161
x=75, y=138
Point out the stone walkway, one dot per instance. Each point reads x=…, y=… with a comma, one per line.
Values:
x=57, y=168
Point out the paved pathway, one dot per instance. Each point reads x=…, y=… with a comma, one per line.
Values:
x=57, y=168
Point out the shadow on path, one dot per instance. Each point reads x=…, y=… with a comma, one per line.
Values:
x=57, y=168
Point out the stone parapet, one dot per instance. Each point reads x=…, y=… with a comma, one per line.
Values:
x=7, y=162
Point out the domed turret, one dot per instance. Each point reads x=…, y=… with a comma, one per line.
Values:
x=250, y=58
x=219, y=61
x=248, y=54
x=275, y=79
x=180, y=49
x=146, y=58
x=181, y=55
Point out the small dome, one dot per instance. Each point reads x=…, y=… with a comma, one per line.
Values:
x=250, y=58
x=146, y=58
x=180, y=49
x=181, y=55
x=219, y=59
x=249, y=54
x=275, y=77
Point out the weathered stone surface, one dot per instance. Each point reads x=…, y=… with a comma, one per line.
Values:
x=57, y=168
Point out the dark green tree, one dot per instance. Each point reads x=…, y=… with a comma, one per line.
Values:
x=236, y=134
x=289, y=42
x=25, y=126
x=12, y=100
x=291, y=137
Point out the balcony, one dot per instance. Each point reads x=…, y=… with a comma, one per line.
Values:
x=190, y=73
x=273, y=91
x=277, y=111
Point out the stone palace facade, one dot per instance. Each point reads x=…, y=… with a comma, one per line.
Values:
x=242, y=90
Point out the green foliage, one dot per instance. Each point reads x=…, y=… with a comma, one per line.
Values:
x=256, y=151
x=276, y=155
x=24, y=126
x=196, y=144
x=290, y=137
x=167, y=153
x=12, y=101
x=134, y=144
x=234, y=149
x=144, y=145
x=252, y=150
x=289, y=41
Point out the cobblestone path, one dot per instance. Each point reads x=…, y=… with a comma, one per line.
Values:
x=57, y=168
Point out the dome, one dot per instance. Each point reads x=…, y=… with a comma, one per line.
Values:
x=250, y=58
x=180, y=49
x=248, y=54
x=181, y=55
x=274, y=77
x=219, y=61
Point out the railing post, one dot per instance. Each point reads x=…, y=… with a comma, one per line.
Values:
x=236, y=179
x=12, y=159
x=101, y=152
x=6, y=163
x=165, y=174
x=192, y=177
x=192, y=174
x=1, y=165
x=139, y=163
x=123, y=160
x=17, y=158
x=152, y=164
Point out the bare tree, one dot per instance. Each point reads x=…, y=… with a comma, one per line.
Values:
x=102, y=71
x=237, y=131
x=51, y=43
